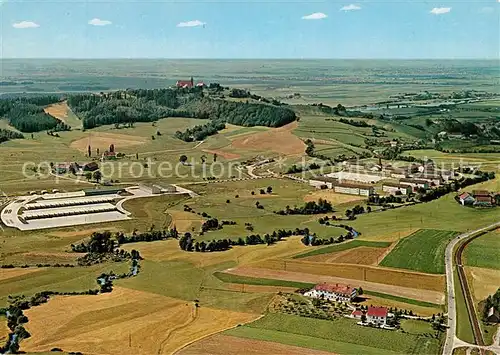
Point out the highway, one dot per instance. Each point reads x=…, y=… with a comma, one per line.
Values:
x=451, y=339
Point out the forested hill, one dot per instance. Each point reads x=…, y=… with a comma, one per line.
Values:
x=151, y=105
x=27, y=114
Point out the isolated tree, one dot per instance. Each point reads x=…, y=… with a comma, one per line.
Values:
x=363, y=318
x=183, y=159
x=88, y=175
x=97, y=176
x=137, y=156
x=97, y=150
x=203, y=159
x=215, y=157
x=360, y=291
x=89, y=151
x=112, y=148
x=269, y=190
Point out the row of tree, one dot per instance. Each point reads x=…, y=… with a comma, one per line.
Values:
x=199, y=133
x=188, y=243
x=311, y=207
x=6, y=135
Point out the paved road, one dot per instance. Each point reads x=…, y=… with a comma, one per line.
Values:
x=451, y=340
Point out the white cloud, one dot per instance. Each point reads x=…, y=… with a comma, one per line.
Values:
x=351, y=7
x=25, y=24
x=99, y=22
x=441, y=10
x=194, y=23
x=315, y=16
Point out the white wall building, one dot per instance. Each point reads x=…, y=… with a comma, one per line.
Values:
x=333, y=292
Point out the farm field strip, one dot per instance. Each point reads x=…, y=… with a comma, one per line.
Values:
x=430, y=296
x=341, y=247
x=426, y=248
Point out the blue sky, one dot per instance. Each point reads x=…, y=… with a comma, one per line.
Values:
x=249, y=29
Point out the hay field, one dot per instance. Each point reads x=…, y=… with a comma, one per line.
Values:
x=420, y=294
x=359, y=255
x=185, y=221
x=10, y=273
x=485, y=282
x=279, y=140
x=59, y=111
x=225, y=344
x=169, y=250
x=483, y=251
x=333, y=197
x=123, y=322
x=103, y=140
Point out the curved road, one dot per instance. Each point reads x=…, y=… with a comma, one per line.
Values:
x=451, y=339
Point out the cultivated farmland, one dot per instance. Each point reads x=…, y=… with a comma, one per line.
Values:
x=422, y=251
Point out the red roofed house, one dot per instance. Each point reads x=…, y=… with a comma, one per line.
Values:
x=333, y=292
x=358, y=313
x=466, y=199
x=377, y=315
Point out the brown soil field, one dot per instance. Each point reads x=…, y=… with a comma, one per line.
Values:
x=333, y=197
x=169, y=250
x=103, y=140
x=384, y=302
x=280, y=140
x=185, y=221
x=369, y=273
x=408, y=292
x=224, y=344
x=59, y=110
x=10, y=273
x=224, y=154
x=4, y=331
x=123, y=322
x=484, y=282
x=359, y=255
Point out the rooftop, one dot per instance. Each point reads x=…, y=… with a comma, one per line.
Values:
x=377, y=312
x=335, y=288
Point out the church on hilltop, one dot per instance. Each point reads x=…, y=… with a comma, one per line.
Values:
x=188, y=84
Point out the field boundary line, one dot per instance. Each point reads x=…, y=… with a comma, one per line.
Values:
x=214, y=333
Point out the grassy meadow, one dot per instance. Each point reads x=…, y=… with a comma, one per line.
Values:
x=422, y=251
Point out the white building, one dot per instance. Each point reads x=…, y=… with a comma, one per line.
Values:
x=333, y=292
x=353, y=189
x=393, y=189
x=377, y=316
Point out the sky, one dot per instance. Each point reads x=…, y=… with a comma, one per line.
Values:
x=399, y=29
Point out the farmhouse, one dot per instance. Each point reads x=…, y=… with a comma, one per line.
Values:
x=484, y=201
x=91, y=166
x=415, y=183
x=377, y=315
x=396, y=189
x=466, y=199
x=62, y=168
x=433, y=178
x=493, y=315
x=353, y=189
x=333, y=292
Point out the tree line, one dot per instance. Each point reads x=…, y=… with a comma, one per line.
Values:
x=188, y=243
x=199, y=133
x=491, y=301
x=6, y=135
x=311, y=207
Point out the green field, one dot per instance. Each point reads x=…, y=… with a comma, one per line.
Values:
x=483, y=251
x=341, y=247
x=464, y=328
x=401, y=299
x=422, y=251
x=338, y=333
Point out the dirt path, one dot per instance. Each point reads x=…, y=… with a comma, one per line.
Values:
x=413, y=293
